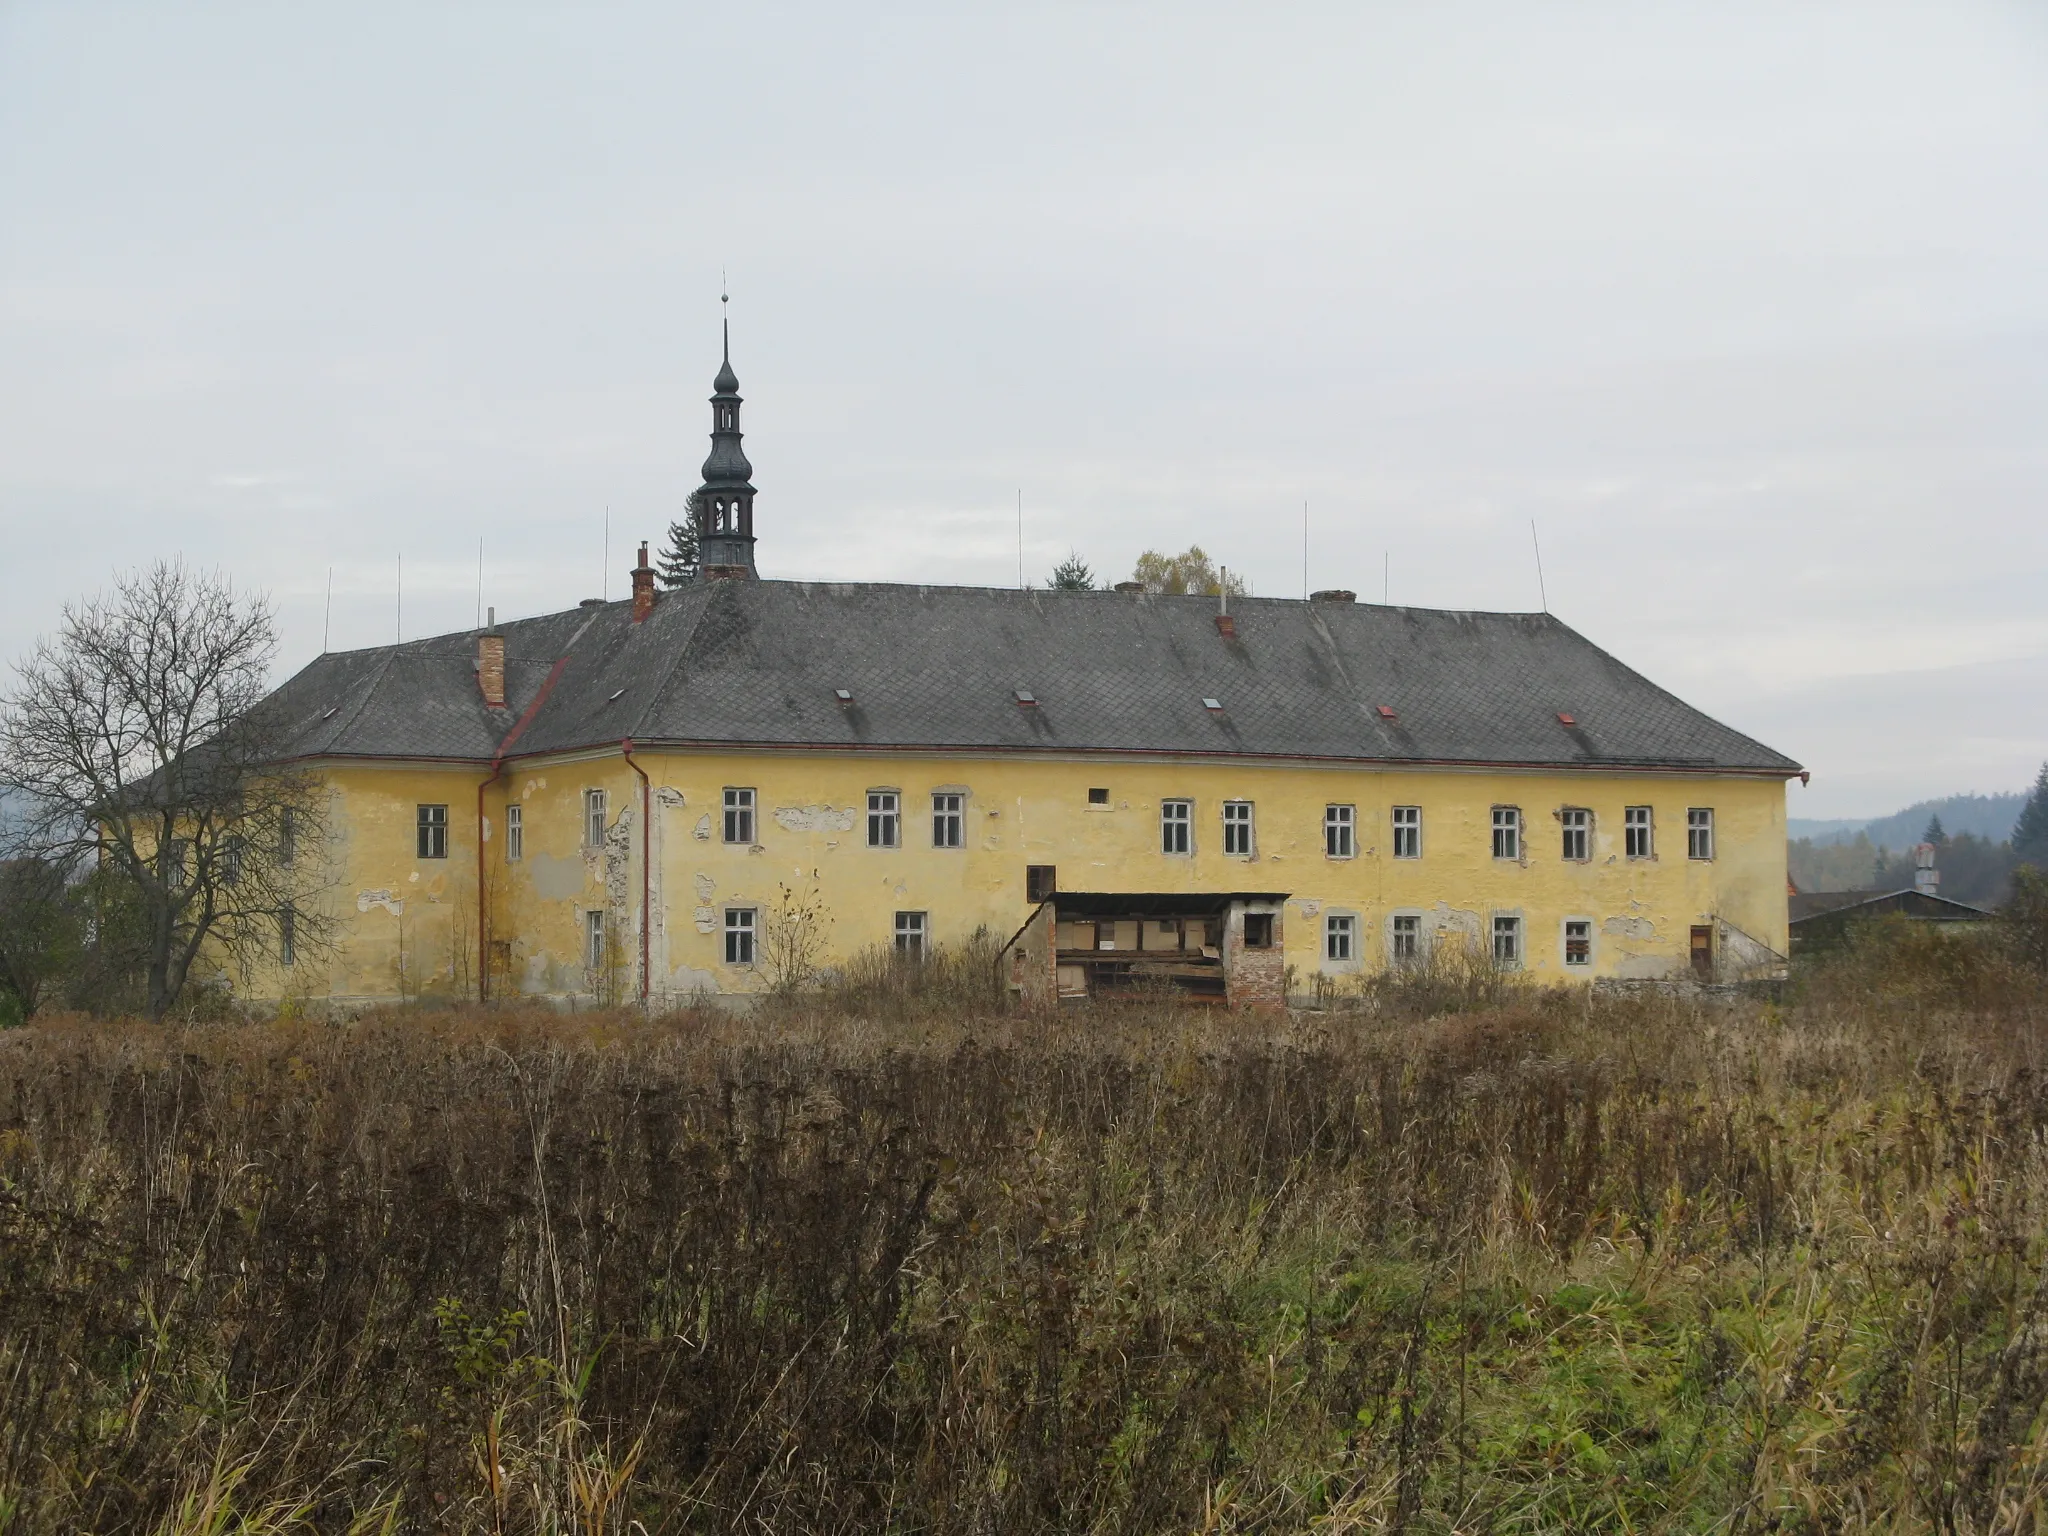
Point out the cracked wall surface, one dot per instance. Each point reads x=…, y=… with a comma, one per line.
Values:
x=408, y=927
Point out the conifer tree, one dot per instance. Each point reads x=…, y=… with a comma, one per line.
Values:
x=1935, y=833
x=677, y=562
x=2030, y=832
x=1072, y=575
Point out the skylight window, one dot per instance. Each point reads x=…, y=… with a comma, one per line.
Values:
x=843, y=695
x=1565, y=717
x=1026, y=697
x=1212, y=704
x=1386, y=711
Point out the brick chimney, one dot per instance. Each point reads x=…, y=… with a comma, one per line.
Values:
x=490, y=664
x=643, y=586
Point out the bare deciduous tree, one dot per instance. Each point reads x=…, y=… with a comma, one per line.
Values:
x=135, y=737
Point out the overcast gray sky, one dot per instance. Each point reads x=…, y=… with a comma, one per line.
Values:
x=1743, y=304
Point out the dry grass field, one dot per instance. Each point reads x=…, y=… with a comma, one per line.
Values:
x=890, y=1260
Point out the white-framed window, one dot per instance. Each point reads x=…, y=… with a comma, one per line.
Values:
x=1578, y=942
x=1176, y=826
x=1637, y=832
x=885, y=818
x=1340, y=831
x=594, y=808
x=739, y=935
x=739, y=816
x=1507, y=832
x=1507, y=940
x=593, y=939
x=288, y=936
x=1407, y=831
x=1699, y=832
x=910, y=934
x=1404, y=938
x=1578, y=834
x=949, y=819
x=515, y=833
x=1340, y=936
x=431, y=832
x=1237, y=827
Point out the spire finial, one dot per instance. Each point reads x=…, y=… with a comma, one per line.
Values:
x=727, y=382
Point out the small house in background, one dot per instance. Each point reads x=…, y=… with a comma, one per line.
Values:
x=1821, y=919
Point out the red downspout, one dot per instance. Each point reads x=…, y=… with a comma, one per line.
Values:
x=483, y=905
x=646, y=867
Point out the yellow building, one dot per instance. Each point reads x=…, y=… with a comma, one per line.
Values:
x=704, y=790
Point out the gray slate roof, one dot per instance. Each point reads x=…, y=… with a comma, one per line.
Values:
x=757, y=663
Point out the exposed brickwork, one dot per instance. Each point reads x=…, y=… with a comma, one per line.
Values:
x=1255, y=978
x=490, y=668
x=643, y=587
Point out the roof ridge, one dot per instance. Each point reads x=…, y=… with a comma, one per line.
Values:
x=376, y=681
x=683, y=650
x=1671, y=698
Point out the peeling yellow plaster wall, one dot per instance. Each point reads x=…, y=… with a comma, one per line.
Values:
x=811, y=837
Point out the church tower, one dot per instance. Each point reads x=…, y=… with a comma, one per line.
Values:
x=725, y=501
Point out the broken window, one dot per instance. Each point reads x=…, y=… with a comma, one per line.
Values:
x=739, y=816
x=1635, y=831
x=1407, y=831
x=287, y=936
x=431, y=832
x=1340, y=936
x=1176, y=826
x=739, y=935
x=1258, y=930
x=593, y=940
x=1507, y=940
x=1578, y=835
x=1703, y=953
x=949, y=822
x=1406, y=936
x=1040, y=882
x=593, y=818
x=1699, y=833
x=1339, y=835
x=884, y=818
x=1507, y=832
x=1237, y=827
x=1578, y=941
x=515, y=833
x=910, y=932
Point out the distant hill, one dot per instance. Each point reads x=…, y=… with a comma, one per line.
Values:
x=1986, y=816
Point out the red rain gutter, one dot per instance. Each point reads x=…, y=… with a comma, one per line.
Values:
x=483, y=902
x=646, y=868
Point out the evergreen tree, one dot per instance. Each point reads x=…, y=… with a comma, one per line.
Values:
x=2030, y=832
x=1934, y=834
x=677, y=562
x=1072, y=575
